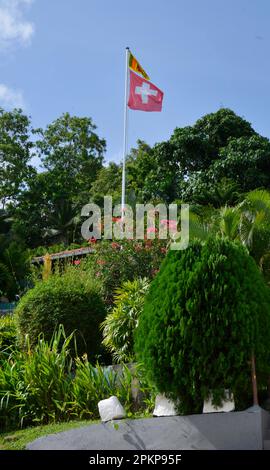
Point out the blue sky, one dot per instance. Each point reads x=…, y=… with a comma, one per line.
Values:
x=69, y=55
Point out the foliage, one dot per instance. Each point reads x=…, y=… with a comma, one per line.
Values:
x=248, y=222
x=200, y=189
x=71, y=149
x=185, y=164
x=207, y=310
x=116, y=262
x=6, y=280
x=14, y=267
x=223, y=125
x=71, y=299
x=8, y=335
x=92, y=384
x=122, y=321
x=108, y=182
x=43, y=384
x=15, y=153
x=46, y=212
x=246, y=161
x=14, y=259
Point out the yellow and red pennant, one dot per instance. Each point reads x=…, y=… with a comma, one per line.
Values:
x=134, y=65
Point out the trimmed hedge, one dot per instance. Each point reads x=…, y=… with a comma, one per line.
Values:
x=72, y=300
x=206, y=311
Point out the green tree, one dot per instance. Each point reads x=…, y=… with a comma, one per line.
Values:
x=15, y=153
x=246, y=160
x=223, y=125
x=200, y=190
x=72, y=150
x=184, y=166
x=243, y=163
x=161, y=175
x=207, y=313
x=45, y=212
x=107, y=183
x=31, y=211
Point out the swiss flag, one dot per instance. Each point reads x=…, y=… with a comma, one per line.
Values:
x=144, y=95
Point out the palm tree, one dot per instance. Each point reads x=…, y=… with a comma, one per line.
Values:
x=62, y=222
x=254, y=229
x=248, y=222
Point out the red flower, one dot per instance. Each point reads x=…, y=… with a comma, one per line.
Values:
x=101, y=262
x=77, y=262
x=115, y=245
x=148, y=244
x=92, y=240
x=116, y=219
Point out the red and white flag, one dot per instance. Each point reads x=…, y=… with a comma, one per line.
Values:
x=144, y=95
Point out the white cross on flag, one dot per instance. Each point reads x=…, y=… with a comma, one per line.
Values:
x=144, y=95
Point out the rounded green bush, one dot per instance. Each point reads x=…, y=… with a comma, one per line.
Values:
x=71, y=299
x=207, y=311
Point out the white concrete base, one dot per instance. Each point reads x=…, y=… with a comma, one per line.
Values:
x=110, y=408
x=164, y=407
x=226, y=406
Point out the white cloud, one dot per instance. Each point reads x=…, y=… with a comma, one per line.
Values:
x=14, y=28
x=11, y=98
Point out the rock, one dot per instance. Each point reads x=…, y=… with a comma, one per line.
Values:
x=111, y=408
x=226, y=406
x=164, y=407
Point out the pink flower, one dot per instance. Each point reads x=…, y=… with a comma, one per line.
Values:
x=77, y=262
x=172, y=224
x=151, y=230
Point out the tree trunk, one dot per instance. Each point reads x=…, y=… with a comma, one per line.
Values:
x=254, y=381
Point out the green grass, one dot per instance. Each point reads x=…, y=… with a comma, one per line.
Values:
x=17, y=440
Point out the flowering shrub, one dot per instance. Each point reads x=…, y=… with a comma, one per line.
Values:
x=116, y=262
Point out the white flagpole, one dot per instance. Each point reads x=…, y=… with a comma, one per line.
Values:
x=125, y=146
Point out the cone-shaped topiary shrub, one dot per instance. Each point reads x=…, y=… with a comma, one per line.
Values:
x=72, y=300
x=206, y=311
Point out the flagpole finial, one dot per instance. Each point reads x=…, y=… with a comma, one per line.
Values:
x=127, y=47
